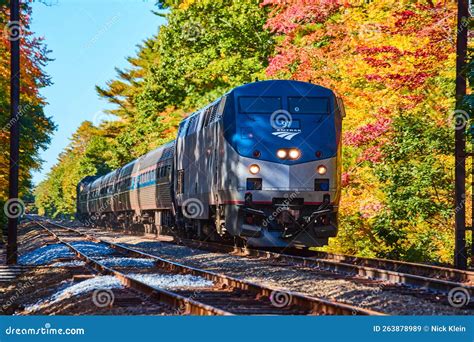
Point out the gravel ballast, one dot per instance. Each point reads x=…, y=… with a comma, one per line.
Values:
x=374, y=295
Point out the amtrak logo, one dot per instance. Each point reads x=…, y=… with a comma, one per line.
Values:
x=286, y=134
x=282, y=121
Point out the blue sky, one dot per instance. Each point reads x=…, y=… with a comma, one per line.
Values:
x=88, y=39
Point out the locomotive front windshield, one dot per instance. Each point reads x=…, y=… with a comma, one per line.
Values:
x=296, y=105
x=308, y=105
x=259, y=105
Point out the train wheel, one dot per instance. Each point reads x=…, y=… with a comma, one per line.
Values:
x=239, y=242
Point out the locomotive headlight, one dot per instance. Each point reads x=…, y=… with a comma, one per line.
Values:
x=294, y=153
x=282, y=154
x=322, y=169
x=254, y=169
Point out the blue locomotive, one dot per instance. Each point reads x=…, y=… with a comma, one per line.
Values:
x=261, y=164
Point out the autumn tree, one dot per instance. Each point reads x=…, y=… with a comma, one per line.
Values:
x=36, y=127
x=393, y=63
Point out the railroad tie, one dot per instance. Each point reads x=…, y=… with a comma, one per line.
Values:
x=10, y=273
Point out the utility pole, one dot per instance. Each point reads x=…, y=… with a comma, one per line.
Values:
x=460, y=251
x=15, y=28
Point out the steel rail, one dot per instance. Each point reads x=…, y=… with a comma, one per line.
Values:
x=379, y=269
x=431, y=271
x=311, y=304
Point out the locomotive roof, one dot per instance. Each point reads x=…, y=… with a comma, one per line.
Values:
x=266, y=87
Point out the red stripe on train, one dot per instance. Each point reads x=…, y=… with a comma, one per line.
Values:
x=268, y=202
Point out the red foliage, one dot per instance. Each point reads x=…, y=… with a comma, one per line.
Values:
x=286, y=16
x=373, y=62
x=283, y=58
x=372, y=154
x=345, y=179
x=412, y=101
x=404, y=17
x=409, y=80
x=32, y=56
x=368, y=133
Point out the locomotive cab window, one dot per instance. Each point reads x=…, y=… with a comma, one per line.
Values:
x=193, y=124
x=309, y=105
x=259, y=105
x=182, y=128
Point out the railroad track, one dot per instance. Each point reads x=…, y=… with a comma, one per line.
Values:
x=428, y=277
x=432, y=278
x=182, y=303
x=226, y=295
